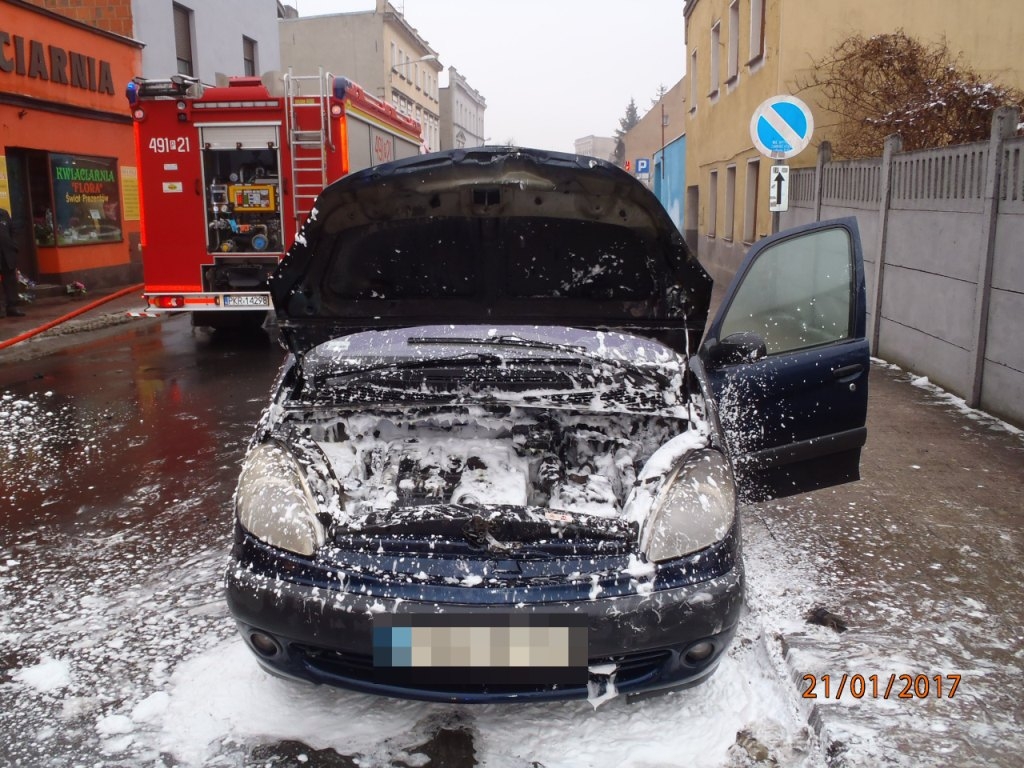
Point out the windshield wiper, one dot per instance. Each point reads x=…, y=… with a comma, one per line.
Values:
x=509, y=340
x=501, y=341
x=467, y=358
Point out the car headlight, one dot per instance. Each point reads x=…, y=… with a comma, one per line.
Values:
x=273, y=501
x=696, y=508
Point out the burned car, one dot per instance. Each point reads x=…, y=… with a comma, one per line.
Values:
x=503, y=459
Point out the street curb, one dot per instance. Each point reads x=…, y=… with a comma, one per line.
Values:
x=810, y=711
x=777, y=649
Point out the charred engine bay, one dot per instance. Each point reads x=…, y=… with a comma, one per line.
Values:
x=488, y=476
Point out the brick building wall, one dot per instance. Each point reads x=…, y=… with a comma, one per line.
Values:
x=109, y=15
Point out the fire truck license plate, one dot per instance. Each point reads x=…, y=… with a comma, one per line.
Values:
x=247, y=300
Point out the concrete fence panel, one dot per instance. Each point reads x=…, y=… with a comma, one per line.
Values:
x=946, y=243
x=852, y=184
x=1011, y=185
x=1002, y=389
x=926, y=325
x=947, y=179
x=801, y=188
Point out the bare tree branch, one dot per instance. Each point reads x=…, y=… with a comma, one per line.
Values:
x=893, y=83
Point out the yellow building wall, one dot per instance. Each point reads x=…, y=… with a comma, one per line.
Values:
x=988, y=33
x=796, y=32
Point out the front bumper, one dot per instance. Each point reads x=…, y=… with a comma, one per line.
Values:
x=636, y=642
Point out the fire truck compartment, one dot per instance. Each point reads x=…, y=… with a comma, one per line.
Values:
x=242, y=182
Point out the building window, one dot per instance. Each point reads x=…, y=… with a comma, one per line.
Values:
x=394, y=55
x=693, y=81
x=691, y=213
x=248, y=57
x=730, y=203
x=85, y=219
x=756, y=30
x=183, y=40
x=750, y=207
x=716, y=42
x=733, y=69
x=712, y=203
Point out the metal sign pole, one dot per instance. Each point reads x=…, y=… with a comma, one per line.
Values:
x=780, y=128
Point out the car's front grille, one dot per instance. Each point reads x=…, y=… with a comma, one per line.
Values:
x=505, y=580
x=634, y=666
x=631, y=669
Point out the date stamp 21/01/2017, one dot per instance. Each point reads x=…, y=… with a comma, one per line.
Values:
x=891, y=686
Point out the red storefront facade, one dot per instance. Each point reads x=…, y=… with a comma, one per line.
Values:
x=67, y=151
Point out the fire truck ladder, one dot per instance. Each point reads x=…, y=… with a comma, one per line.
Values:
x=309, y=137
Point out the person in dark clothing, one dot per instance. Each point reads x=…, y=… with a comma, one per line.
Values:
x=9, y=265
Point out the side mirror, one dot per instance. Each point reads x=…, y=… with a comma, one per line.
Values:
x=742, y=347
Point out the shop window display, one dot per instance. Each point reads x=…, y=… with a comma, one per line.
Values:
x=79, y=203
x=87, y=199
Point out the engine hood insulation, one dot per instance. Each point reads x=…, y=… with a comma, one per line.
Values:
x=493, y=234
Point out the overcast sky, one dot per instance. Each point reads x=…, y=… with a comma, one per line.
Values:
x=552, y=71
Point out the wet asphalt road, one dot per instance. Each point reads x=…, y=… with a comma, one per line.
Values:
x=119, y=459
x=162, y=406
x=120, y=453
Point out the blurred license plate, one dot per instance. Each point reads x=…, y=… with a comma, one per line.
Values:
x=544, y=648
x=247, y=300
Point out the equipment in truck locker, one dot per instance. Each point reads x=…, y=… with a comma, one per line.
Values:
x=252, y=197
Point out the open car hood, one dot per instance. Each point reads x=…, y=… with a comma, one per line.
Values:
x=490, y=235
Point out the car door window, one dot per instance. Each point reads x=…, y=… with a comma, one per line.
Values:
x=797, y=293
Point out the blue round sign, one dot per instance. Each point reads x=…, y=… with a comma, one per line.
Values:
x=781, y=127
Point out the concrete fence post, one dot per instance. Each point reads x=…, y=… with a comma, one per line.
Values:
x=893, y=145
x=1004, y=126
x=824, y=158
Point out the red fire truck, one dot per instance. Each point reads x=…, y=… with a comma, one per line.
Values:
x=228, y=174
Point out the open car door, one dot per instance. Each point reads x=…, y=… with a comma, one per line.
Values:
x=786, y=360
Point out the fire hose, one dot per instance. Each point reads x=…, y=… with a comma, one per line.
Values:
x=81, y=310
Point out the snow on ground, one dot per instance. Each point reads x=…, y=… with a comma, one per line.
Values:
x=917, y=574
x=698, y=727
x=143, y=667
x=942, y=397
x=911, y=623
x=116, y=649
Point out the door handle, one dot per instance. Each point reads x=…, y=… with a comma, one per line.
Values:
x=847, y=370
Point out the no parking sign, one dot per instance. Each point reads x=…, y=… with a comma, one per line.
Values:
x=781, y=127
